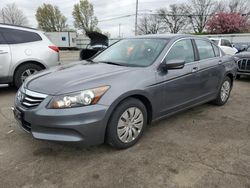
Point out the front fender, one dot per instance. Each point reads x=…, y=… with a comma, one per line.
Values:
x=122, y=97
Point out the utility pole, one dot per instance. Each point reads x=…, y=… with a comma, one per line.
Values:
x=136, y=17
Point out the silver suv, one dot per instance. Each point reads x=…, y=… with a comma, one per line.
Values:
x=24, y=51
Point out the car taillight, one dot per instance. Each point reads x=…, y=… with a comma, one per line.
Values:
x=55, y=48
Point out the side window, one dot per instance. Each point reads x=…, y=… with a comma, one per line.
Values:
x=14, y=36
x=225, y=43
x=182, y=50
x=205, y=49
x=2, y=41
x=216, y=50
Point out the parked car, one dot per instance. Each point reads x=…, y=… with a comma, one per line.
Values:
x=23, y=52
x=98, y=42
x=225, y=45
x=243, y=62
x=115, y=95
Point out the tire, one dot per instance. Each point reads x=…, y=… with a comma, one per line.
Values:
x=130, y=119
x=224, y=92
x=238, y=76
x=25, y=70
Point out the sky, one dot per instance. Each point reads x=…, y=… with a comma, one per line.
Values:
x=104, y=10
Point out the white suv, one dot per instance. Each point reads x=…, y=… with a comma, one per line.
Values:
x=24, y=51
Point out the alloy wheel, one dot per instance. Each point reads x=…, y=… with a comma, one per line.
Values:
x=27, y=73
x=225, y=91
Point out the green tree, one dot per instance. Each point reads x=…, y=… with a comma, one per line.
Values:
x=50, y=18
x=84, y=17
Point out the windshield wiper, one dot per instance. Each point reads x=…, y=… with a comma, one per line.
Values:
x=111, y=63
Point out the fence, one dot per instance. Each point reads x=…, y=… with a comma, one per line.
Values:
x=236, y=38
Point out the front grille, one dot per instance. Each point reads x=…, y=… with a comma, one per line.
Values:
x=244, y=65
x=32, y=99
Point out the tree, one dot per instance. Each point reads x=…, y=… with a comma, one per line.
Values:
x=199, y=12
x=11, y=14
x=84, y=17
x=175, y=18
x=239, y=6
x=227, y=23
x=50, y=18
x=149, y=24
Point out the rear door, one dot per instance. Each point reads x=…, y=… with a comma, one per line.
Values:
x=5, y=59
x=179, y=88
x=210, y=67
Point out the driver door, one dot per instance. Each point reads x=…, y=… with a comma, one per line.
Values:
x=179, y=88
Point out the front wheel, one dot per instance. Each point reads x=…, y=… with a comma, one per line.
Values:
x=224, y=92
x=127, y=124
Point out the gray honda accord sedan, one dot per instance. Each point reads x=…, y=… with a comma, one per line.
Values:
x=113, y=96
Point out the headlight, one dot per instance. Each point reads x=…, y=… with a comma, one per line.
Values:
x=82, y=98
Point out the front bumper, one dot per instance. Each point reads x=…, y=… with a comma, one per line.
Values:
x=84, y=124
x=243, y=73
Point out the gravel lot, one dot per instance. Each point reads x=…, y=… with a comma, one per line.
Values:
x=206, y=146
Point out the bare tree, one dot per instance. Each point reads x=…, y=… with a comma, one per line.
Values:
x=11, y=14
x=174, y=18
x=149, y=24
x=221, y=6
x=232, y=6
x=240, y=6
x=199, y=12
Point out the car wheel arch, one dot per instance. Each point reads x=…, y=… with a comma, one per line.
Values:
x=137, y=95
x=231, y=76
x=28, y=62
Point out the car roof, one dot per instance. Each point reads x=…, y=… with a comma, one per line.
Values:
x=168, y=36
x=11, y=26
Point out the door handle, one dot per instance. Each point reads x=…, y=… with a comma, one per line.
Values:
x=195, y=69
x=3, y=52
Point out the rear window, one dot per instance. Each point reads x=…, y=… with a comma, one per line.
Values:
x=205, y=49
x=226, y=43
x=215, y=41
x=14, y=36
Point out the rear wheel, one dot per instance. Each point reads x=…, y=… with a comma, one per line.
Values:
x=127, y=124
x=224, y=92
x=25, y=71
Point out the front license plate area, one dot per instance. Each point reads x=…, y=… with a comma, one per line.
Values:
x=18, y=115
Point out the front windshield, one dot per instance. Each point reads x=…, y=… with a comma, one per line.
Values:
x=133, y=52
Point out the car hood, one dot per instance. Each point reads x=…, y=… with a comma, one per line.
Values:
x=72, y=77
x=243, y=55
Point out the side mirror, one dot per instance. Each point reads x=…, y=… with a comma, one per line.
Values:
x=173, y=64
